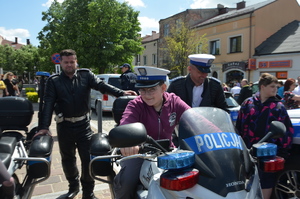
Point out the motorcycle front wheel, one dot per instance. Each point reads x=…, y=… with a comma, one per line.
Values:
x=288, y=180
x=288, y=185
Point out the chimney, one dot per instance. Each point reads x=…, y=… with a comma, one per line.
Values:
x=241, y=5
x=153, y=32
x=222, y=9
x=16, y=40
x=219, y=6
x=27, y=41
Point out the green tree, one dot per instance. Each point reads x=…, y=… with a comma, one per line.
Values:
x=6, y=57
x=182, y=42
x=104, y=33
x=22, y=61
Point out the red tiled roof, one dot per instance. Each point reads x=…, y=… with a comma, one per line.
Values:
x=10, y=43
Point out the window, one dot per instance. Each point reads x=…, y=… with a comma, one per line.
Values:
x=235, y=44
x=215, y=47
x=199, y=48
x=153, y=59
x=178, y=24
x=145, y=60
x=137, y=60
x=166, y=30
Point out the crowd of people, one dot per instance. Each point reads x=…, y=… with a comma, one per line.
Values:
x=9, y=85
x=68, y=95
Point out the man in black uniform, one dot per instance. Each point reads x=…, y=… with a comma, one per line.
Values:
x=128, y=78
x=68, y=94
x=196, y=89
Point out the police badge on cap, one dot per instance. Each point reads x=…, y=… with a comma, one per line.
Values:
x=148, y=76
x=202, y=61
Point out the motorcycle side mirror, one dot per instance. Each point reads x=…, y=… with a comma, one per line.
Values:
x=277, y=130
x=128, y=135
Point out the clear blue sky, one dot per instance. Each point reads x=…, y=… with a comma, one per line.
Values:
x=22, y=18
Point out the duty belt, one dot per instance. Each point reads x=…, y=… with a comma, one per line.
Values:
x=59, y=118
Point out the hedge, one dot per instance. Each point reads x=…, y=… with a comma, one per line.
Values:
x=32, y=96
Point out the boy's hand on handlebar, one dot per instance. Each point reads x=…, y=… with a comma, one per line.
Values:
x=127, y=151
x=42, y=132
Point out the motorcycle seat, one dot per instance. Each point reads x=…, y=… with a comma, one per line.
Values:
x=5, y=158
x=7, y=147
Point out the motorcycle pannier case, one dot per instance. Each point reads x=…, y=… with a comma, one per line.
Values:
x=41, y=147
x=15, y=112
x=119, y=107
x=99, y=147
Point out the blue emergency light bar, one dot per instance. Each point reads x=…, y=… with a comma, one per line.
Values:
x=264, y=149
x=176, y=160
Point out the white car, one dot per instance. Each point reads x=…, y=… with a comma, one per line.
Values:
x=233, y=106
x=295, y=119
x=107, y=100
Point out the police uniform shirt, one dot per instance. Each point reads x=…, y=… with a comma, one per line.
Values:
x=197, y=98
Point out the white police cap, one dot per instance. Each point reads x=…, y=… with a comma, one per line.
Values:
x=148, y=76
x=202, y=61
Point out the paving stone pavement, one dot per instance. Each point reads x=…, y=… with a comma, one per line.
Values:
x=56, y=185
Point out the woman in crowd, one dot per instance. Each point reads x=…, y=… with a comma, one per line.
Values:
x=254, y=119
x=291, y=100
x=11, y=88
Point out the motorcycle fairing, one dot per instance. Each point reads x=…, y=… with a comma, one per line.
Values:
x=220, y=153
x=199, y=192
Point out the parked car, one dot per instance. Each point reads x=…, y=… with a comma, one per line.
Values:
x=107, y=100
x=232, y=104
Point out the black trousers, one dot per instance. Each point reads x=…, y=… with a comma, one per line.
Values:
x=72, y=136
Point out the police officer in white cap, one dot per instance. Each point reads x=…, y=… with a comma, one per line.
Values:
x=159, y=111
x=196, y=89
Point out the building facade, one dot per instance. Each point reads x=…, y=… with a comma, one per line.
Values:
x=13, y=44
x=234, y=34
x=279, y=55
x=149, y=54
x=189, y=17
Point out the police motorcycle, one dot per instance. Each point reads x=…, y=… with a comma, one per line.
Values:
x=212, y=160
x=288, y=180
x=17, y=148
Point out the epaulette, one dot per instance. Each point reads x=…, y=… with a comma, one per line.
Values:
x=213, y=78
x=84, y=69
x=53, y=75
x=178, y=78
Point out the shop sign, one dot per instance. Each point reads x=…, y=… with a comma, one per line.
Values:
x=282, y=75
x=252, y=64
x=275, y=64
x=234, y=65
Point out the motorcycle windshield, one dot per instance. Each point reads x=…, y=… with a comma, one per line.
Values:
x=221, y=156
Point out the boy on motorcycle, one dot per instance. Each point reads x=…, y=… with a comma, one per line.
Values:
x=159, y=111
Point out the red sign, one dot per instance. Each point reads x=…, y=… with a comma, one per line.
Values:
x=55, y=58
x=263, y=64
x=281, y=64
x=282, y=75
x=252, y=64
x=275, y=64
